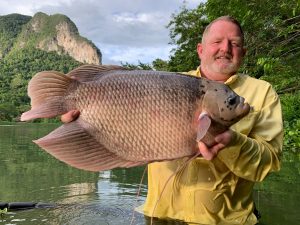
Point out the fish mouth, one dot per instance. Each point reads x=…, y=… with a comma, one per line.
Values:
x=243, y=107
x=241, y=110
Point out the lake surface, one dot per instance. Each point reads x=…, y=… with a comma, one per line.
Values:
x=107, y=198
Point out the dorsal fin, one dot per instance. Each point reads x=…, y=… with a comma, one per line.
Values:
x=87, y=73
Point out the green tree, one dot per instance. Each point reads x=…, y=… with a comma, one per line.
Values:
x=160, y=65
x=17, y=68
x=10, y=27
x=139, y=66
x=186, y=29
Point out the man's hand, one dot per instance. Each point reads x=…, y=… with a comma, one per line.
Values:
x=70, y=116
x=222, y=140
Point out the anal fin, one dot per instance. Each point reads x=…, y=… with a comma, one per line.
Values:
x=72, y=144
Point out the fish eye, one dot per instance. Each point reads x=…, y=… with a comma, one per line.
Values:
x=231, y=100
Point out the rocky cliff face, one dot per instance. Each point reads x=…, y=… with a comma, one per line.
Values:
x=66, y=42
x=58, y=33
x=78, y=48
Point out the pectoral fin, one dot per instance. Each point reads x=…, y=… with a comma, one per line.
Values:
x=204, y=122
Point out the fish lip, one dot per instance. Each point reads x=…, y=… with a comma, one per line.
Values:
x=245, y=108
x=241, y=100
x=242, y=104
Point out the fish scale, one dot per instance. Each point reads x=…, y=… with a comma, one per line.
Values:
x=129, y=117
x=116, y=124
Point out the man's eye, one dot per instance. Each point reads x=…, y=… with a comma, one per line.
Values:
x=235, y=44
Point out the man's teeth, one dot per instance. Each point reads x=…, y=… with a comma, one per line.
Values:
x=223, y=57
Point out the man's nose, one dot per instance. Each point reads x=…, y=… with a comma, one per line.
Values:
x=225, y=46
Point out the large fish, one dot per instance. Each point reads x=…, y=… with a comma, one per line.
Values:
x=130, y=117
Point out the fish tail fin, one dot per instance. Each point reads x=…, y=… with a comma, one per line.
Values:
x=46, y=91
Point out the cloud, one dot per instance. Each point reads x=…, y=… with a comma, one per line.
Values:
x=27, y=7
x=124, y=30
x=134, y=54
x=120, y=22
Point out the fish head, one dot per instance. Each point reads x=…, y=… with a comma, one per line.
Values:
x=222, y=104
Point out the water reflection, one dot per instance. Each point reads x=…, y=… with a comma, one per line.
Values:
x=277, y=197
x=30, y=174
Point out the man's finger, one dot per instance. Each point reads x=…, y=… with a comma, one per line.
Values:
x=216, y=148
x=205, y=152
x=224, y=137
x=70, y=116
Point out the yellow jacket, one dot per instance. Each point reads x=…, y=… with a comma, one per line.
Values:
x=220, y=191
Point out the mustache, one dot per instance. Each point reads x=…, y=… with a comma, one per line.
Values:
x=223, y=55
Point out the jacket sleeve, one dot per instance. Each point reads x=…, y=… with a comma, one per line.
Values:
x=252, y=156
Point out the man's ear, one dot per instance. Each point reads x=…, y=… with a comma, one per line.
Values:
x=199, y=49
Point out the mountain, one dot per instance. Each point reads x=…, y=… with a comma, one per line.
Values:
x=46, y=32
x=29, y=45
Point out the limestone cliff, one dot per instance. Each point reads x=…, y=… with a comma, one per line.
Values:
x=58, y=33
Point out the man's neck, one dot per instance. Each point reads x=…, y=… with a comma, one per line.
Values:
x=216, y=77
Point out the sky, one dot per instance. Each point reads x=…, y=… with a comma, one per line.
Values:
x=124, y=30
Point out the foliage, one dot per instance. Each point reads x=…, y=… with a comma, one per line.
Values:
x=291, y=107
x=157, y=64
x=17, y=68
x=10, y=27
x=139, y=66
x=186, y=28
x=292, y=136
x=160, y=65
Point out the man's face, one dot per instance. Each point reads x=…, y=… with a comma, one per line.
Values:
x=221, y=51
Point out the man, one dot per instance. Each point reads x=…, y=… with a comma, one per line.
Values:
x=216, y=188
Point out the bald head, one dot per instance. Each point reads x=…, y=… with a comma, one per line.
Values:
x=223, y=18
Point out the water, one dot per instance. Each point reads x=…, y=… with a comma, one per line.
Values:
x=106, y=198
